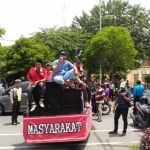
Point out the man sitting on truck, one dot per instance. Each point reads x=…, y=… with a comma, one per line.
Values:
x=64, y=72
x=83, y=79
x=37, y=76
x=49, y=72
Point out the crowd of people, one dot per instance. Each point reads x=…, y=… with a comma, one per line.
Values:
x=72, y=75
x=110, y=87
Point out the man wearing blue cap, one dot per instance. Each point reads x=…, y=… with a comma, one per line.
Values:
x=64, y=72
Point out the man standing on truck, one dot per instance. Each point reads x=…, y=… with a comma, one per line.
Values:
x=15, y=99
x=37, y=77
x=64, y=72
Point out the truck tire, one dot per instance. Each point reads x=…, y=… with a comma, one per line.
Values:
x=1, y=109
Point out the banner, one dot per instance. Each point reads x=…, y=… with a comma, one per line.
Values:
x=63, y=128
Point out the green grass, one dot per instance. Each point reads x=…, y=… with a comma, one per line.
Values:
x=134, y=147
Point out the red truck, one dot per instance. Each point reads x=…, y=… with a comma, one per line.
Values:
x=68, y=124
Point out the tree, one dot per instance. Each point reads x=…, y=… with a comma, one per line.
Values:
x=113, y=46
x=147, y=79
x=120, y=75
x=2, y=32
x=70, y=40
x=3, y=51
x=119, y=13
x=23, y=54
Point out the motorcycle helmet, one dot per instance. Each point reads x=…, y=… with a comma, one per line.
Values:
x=143, y=100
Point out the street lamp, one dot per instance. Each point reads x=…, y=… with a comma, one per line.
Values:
x=100, y=15
x=100, y=26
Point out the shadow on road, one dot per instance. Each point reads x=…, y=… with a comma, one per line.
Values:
x=100, y=140
x=140, y=129
x=7, y=124
x=9, y=114
x=51, y=146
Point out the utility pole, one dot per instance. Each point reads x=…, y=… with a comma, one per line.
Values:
x=100, y=27
x=63, y=21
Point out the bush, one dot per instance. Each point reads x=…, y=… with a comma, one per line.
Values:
x=134, y=147
x=145, y=140
x=147, y=79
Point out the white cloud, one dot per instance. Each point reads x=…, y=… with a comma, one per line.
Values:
x=22, y=17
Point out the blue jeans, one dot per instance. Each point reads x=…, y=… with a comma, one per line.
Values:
x=60, y=79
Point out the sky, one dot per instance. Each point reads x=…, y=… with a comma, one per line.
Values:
x=23, y=17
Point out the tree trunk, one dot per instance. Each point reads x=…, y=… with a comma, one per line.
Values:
x=89, y=76
x=112, y=71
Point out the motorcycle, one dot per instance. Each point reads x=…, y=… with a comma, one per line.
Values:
x=106, y=107
x=141, y=116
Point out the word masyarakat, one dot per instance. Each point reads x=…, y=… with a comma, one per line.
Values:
x=54, y=128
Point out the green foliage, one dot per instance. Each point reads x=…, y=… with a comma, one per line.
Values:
x=18, y=58
x=120, y=75
x=119, y=13
x=23, y=54
x=112, y=46
x=134, y=147
x=147, y=79
x=70, y=40
x=3, y=51
x=2, y=32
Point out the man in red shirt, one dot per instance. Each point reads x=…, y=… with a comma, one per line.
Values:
x=49, y=72
x=37, y=76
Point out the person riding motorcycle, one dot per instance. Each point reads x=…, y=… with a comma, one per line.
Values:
x=137, y=93
x=106, y=91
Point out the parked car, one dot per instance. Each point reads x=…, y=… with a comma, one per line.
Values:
x=1, y=88
x=5, y=105
x=147, y=93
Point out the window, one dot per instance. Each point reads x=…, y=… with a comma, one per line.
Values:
x=7, y=91
x=143, y=76
x=136, y=76
x=24, y=86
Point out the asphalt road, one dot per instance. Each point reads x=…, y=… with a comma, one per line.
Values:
x=11, y=137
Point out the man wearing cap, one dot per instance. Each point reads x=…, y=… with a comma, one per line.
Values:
x=64, y=72
x=121, y=107
x=37, y=77
x=15, y=99
x=49, y=72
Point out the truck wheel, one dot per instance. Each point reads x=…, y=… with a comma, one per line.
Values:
x=1, y=109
